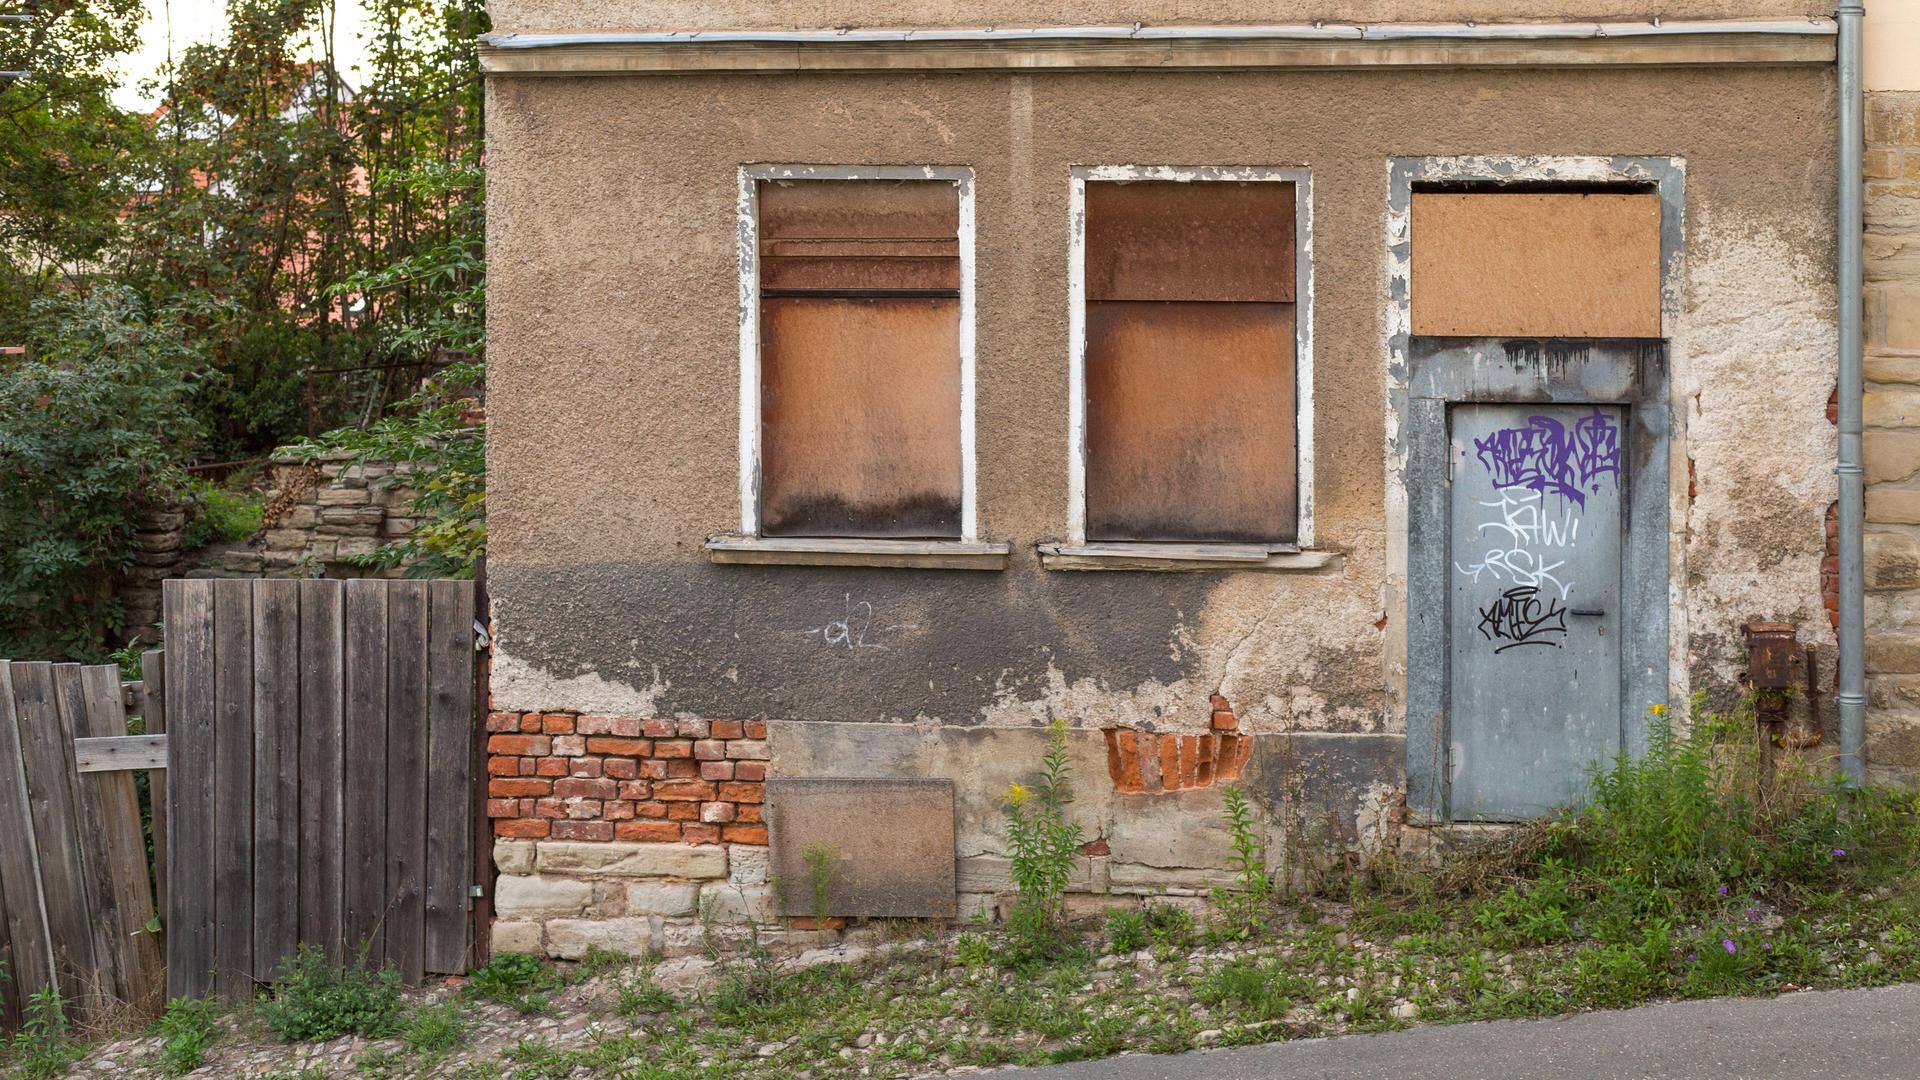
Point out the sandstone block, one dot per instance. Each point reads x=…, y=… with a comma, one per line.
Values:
x=1897, y=654
x=569, y=939
x=516, y=937
x=747, y=866
x=1892, y=560
x=1893, y=742
x=633, y=859
x=1893, y=506
x=1893, y=316
x=1892, y=455
x=533, y=896
x=333, y=496
x=513, y=857
x=1890, y=408
x=662, y=898
x=744, y=903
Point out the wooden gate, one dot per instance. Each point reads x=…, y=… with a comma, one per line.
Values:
x=320, y=767
x=76, y=900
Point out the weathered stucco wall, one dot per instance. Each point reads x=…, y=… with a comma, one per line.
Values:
x=522, y=15
x=614, y=423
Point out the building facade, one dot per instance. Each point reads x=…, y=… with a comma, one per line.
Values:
x=1378, y=414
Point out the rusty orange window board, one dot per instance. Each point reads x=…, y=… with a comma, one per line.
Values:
x=859, y=359
x=1190, y=362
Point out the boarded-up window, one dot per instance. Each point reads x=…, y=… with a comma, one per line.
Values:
x=859, y=358
x=1190, y=354
x=1536, y=264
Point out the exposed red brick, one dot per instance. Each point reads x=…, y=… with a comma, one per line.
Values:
x=683, y=811
x=695, y=790
x=755, y=729
x=716, y=770
x=530, y=723
x=569, y=745
x=673, y=748
x=503, y=766
x=585, y=766
x=1203, y=769
x=503, y=721
x=522, y=828
x=753, y=771
x=549, y=807
x=1219, y=703
x=529, y=766
x=535, y=745
x=710, y=750
x=1189, y=761
x=503, y=808
x=617, y=810
x=690, y=729
x=748, y=749
x=653, y=769
x=1127, y=749
x=682, y=768
x=557, y=724
x=651, y=809
x=744, y=834
x=658, y=729
x=577, y=787
x=582, y=830
x=1225, y=721
x=609, y=744
x=518, y=786
x=718, y=813
x=727, y=729
x=620, y=768
x=746, y=793
x=624, y=726
x=636, y=789
x=748, y=815
x=1169, y=761
x=646, y=830
x=694, y=833
x=548, y=766
x=808, y=922
x=1096, y=846
x=584, y=809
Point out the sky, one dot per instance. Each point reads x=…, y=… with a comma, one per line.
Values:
x=205, y=20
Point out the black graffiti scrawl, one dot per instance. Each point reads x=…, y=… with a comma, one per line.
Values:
x=1521, y=616
x=1546, y=456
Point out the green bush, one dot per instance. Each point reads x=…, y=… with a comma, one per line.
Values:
x=318, y=1000
x=92, y=428
x=219, y=514
x=513, y=979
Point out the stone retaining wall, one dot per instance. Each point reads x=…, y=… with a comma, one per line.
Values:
x=323, y=515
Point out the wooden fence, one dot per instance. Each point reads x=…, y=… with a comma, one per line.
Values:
x=321, y=739
x=75, y=883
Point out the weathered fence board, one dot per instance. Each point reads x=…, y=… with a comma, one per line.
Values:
x=321, y=689
x=115, y=753
x=153, y=709
x=75, y=891
x=190, y=771
x=341, y=719
x=450, y=663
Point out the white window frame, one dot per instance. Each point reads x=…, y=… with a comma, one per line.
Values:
x=749, y=236
x=1079, y=175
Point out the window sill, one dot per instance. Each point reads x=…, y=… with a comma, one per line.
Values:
x=1184, y=557
x=809, y=551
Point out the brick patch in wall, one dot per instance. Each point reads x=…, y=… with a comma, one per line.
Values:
x=575, y=776
x=1145, y=762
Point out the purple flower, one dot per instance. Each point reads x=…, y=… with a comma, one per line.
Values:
x=1839, y=853
x=1727, y=944
x=1753, y=914
x=1722, y=890
x=1691, y=957
x=1768, y=946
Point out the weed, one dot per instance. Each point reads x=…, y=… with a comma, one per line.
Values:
x=1126, y=931
x=1044, y=846
x=521, y=982
x=1245, y=907
x=44, y=1046
x=1255, y=991
x=435, y=1029
x=642, y=995
x=186, y=1030
x=317, y=999
x=708, y=915
x=380, y=1063
x=973, y=950
x=598, y=961
x=819, y=860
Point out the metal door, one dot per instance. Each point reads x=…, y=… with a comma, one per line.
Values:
x=1534, y=621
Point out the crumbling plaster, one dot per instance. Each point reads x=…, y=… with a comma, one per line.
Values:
x=525, y=15
x=613, y=412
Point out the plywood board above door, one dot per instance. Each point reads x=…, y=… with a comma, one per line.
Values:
x=1536, y=264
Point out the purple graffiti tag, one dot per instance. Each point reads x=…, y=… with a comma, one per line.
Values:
x=1545, y=456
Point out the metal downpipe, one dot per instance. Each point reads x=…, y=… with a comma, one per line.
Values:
x=1852, y=689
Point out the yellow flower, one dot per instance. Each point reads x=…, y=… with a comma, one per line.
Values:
x=1017, y=794
x=1657, y=710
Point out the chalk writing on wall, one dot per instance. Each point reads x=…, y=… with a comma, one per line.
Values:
x=856, y=628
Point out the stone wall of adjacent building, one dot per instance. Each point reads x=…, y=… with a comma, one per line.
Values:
x=1892, y=418
x=324, y=514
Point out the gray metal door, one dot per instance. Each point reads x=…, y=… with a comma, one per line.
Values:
x=1534, y=621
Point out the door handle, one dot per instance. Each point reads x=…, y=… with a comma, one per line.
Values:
x=1588, y=612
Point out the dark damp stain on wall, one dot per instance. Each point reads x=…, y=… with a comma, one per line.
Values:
x=838, y=643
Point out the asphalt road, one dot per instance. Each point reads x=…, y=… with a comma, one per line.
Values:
x=1865, y=1034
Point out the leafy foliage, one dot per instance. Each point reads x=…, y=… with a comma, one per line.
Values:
x=44, y=1046
x=91, y=430
x=186, y=1030
x=317, y=1000
x=522, y=982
